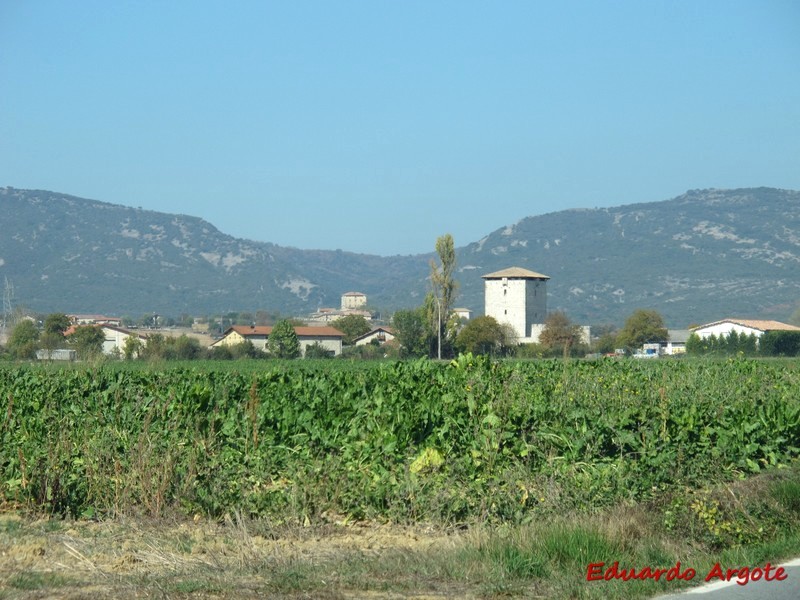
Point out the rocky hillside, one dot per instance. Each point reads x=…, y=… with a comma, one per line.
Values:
x=72, y=254
x=701, y=256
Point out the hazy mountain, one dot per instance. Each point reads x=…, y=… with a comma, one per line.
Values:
x=704, y=255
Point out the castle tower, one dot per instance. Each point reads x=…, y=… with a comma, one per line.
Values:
x=353, y=300
x=518, y=297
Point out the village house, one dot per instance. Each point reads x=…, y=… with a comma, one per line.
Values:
x=757, y=327
x=94, y=320
x=381, y=335
x=328, y=315
x=115, y=337
x=352, y=303
x=329, y=338
x=676, y=342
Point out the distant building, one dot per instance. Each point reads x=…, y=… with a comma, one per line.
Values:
x=757, y=327
x=327, y=337
x=95, y=320
x=676, y=342
x=328, y=315
x=353, y=300
x=353, y=303
x=114, y=336
x=379, y=334
x=538, y=328
x=462, y=313
x=58, y=354
x=518, y=297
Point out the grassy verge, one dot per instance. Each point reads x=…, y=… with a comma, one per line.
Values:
x=746, y=523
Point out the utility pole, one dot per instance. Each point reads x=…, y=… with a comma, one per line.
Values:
x=439, y=328
x=8, y=300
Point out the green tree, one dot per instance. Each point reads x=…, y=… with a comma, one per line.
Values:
x=317, y=350
x=642, y=327
x=560, y=334
x=351, y=326
x=87, y=341
x=184, y=348
x=283, y=342
x=24, y=340
x=132, y=347
x=696, y=345
x=606, y=343
x=155, y=348
x=412, y=332
x=56, y=323
x=484, y=335
x=220, y=353
x=244, y=349
x=780, y=343
x=444, y=285
x=52, y=337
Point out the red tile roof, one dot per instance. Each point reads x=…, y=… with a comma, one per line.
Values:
x=515, y=273
x=760, y=324
x=301, y=331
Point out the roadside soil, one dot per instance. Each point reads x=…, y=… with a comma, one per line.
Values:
x=137, y=558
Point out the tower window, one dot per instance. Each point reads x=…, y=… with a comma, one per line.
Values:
x=505, y=292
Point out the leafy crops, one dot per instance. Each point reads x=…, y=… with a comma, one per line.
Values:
x=471, y=440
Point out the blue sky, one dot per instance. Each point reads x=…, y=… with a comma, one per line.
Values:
x=377, y=126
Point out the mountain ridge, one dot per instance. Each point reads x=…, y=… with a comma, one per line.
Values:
x=703, y=255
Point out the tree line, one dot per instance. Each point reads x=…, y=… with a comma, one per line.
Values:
x=771, y=343
x=29, y=340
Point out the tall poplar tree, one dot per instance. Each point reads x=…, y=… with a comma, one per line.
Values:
x=444, y=285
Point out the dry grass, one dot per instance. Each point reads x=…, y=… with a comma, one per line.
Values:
x=239, y=558
x=233, y=559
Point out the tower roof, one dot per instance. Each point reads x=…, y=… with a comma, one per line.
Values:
x=515, y=273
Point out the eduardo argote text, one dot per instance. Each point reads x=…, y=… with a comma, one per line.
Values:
x=743, y=575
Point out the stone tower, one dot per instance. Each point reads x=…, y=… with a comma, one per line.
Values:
x=518, y=297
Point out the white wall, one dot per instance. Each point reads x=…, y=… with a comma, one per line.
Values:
x=350, y=302
x=329, y=343
x=725, y=328
x=519, y=302
x=114, y=339
x=537, y=328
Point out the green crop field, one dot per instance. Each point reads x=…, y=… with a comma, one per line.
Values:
x=334, y=479
x=472, y=440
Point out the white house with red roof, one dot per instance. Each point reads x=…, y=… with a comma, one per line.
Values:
x=380, y=335
x=327, y=337
x=757, y=327
x=115, y=337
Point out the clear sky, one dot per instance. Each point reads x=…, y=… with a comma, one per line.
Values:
x=376, y=126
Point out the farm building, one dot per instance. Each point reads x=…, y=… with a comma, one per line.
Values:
x=95, y=320
x=757, y=327
x=114, y=336
x=676, y=342
x=58, y=354
x=327, y=337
